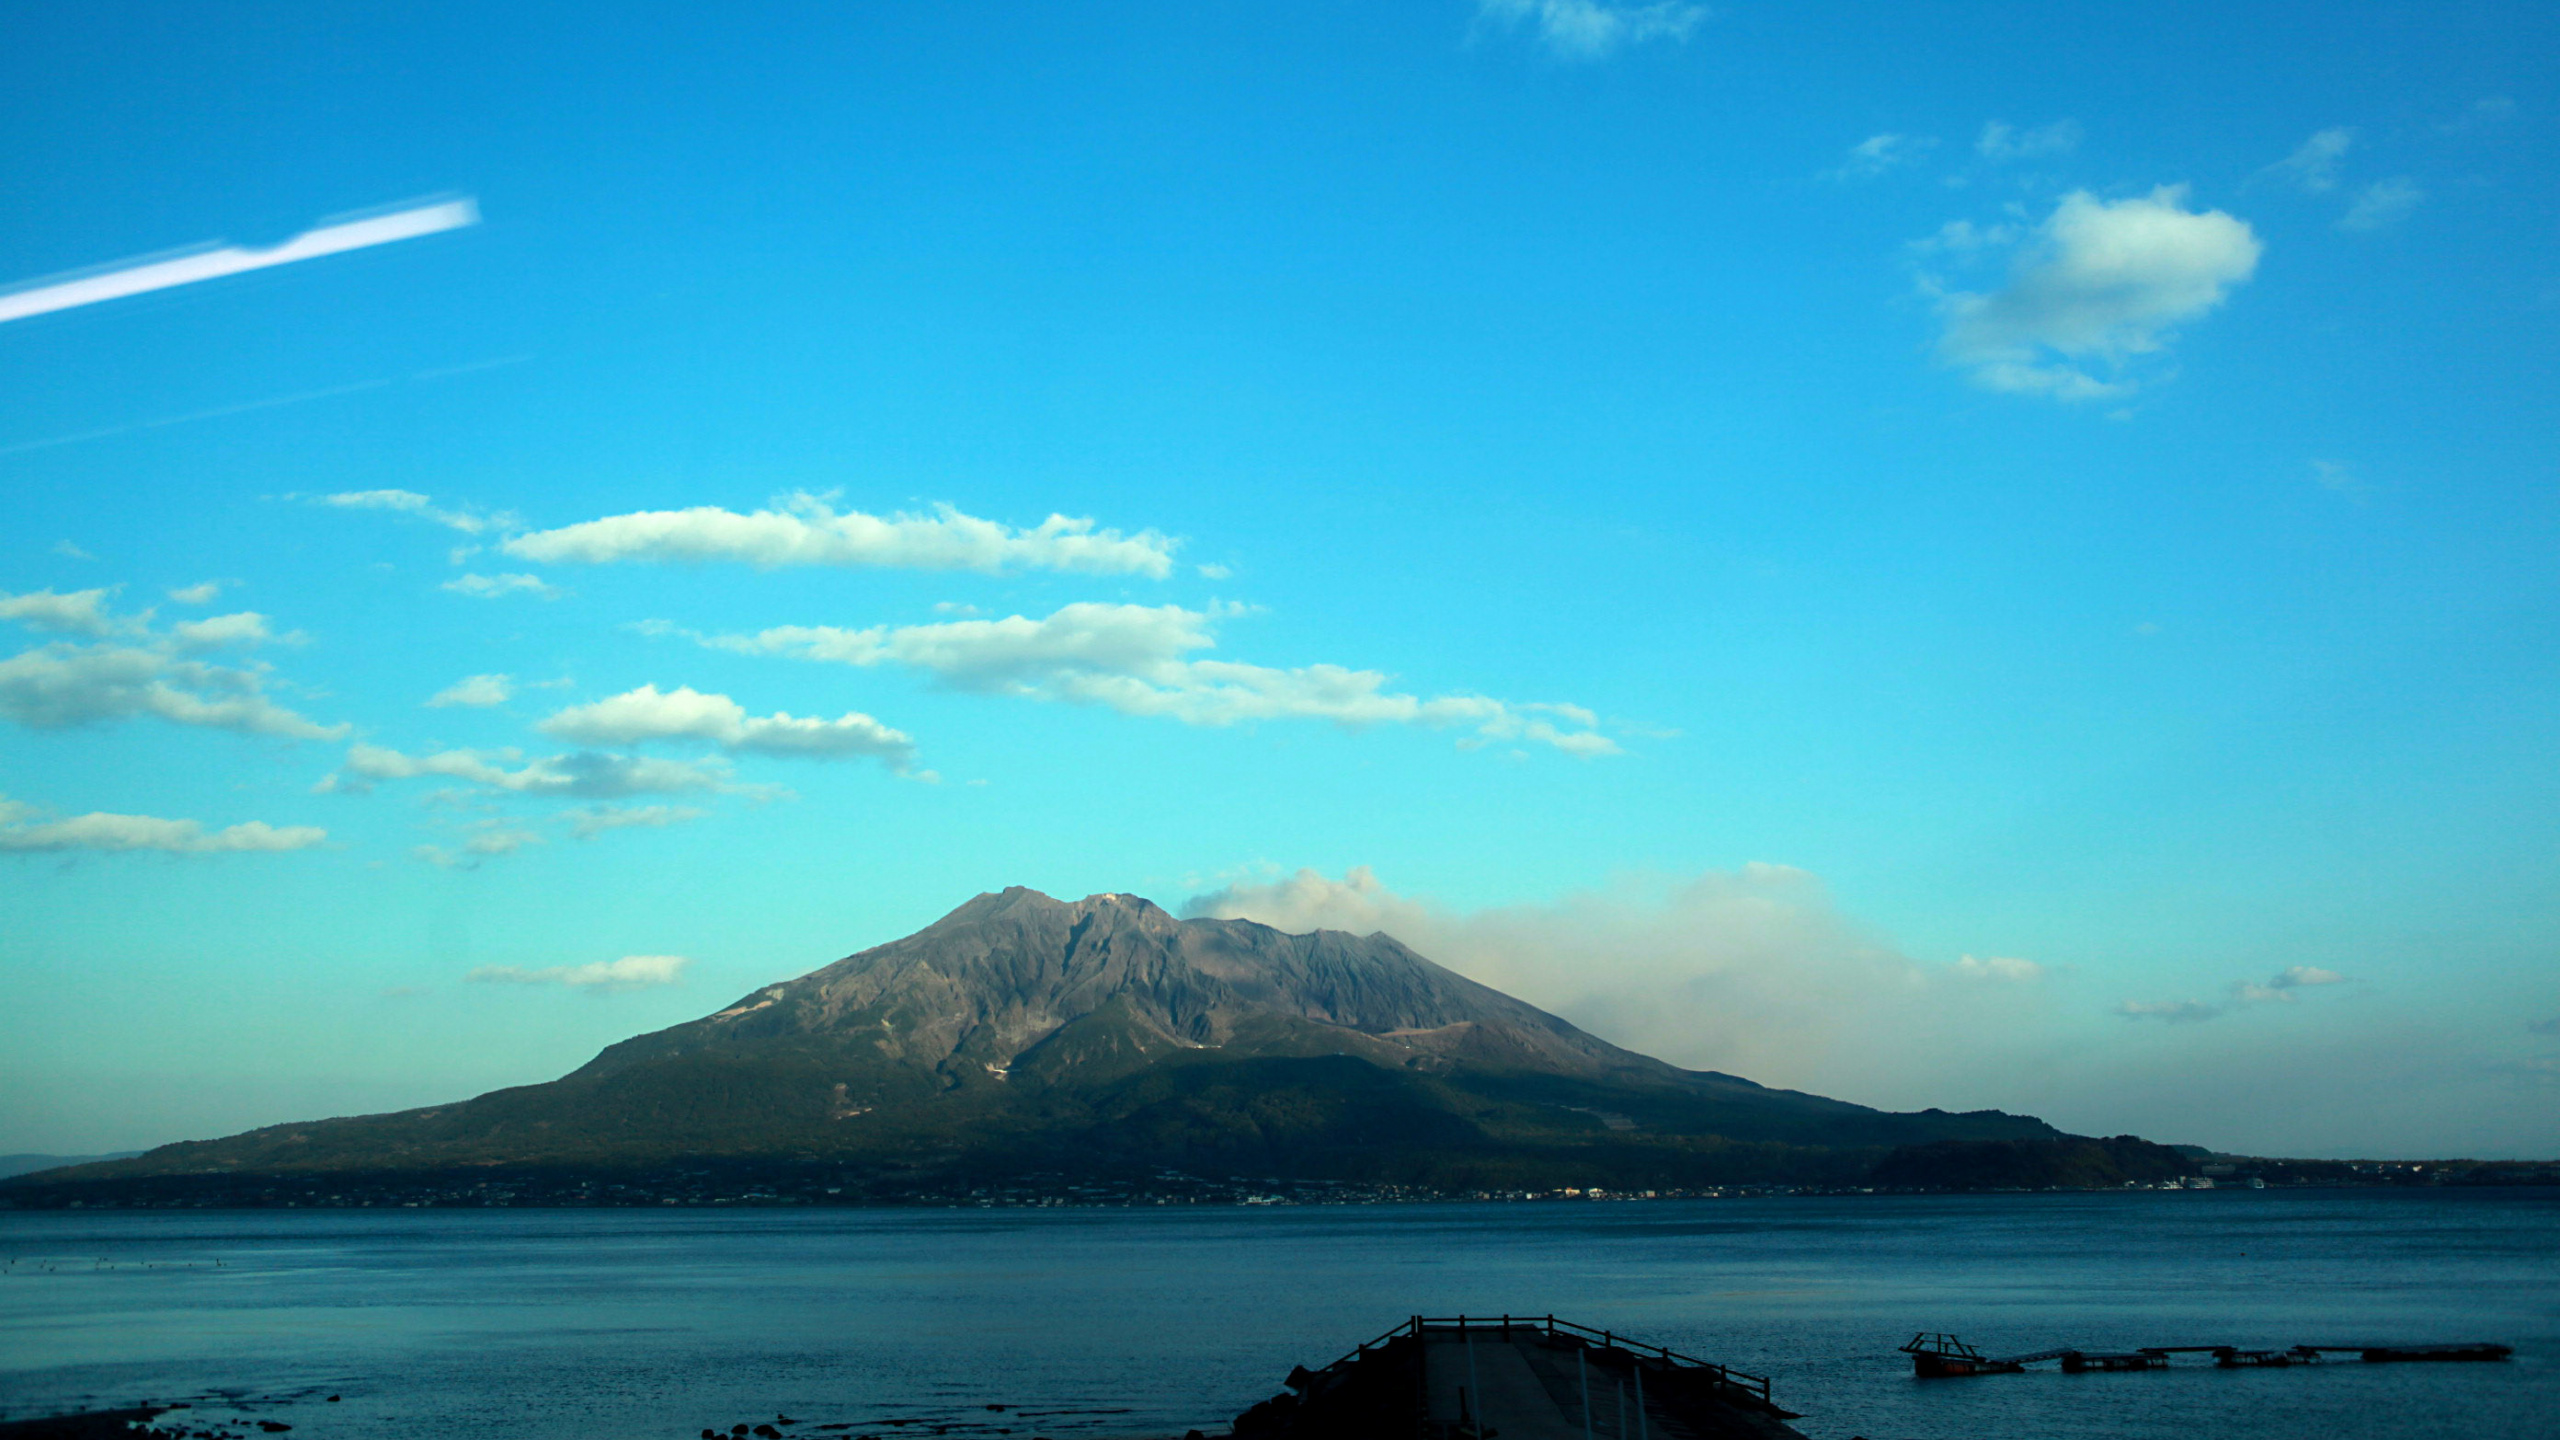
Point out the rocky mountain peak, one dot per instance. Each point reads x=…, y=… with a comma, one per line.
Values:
x=1010, y=968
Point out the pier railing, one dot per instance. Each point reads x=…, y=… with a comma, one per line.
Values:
x=1553, y=1328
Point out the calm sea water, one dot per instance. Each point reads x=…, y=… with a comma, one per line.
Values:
x=650, y=1325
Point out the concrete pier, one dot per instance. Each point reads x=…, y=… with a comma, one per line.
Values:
x=1521, y=1378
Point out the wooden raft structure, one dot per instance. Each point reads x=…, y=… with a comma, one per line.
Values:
x=1521, y=1377
x=1937, y=1355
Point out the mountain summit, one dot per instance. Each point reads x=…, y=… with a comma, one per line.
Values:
x=1009, y=975
x=1021, y=1034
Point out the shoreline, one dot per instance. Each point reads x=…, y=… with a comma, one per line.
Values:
x=504, y=1195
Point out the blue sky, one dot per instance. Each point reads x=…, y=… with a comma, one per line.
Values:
x=1896, y=551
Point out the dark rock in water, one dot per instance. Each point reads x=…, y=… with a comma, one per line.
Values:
x=333, y=1399
x=126, y=1424
x=767, y=1432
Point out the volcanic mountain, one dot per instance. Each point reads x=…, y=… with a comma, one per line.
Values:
x=1022, y=1034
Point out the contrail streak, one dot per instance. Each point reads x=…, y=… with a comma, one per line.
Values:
x=186, y=268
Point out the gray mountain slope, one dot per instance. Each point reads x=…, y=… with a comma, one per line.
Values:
x=1025, y=1032
x=1006, y=971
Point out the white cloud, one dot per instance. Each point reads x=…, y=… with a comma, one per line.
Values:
x=215, y=632
x=212, y=262
x=65, y=684
x=2097, y=285
x=2313, y=165
x=2001, y=141
x=1751, y=971
x=470, y=520
x=201, y=593
x=589, y=821
x=474, y=690
x=1594, y=29
x=82, y=612
x=804, y=529
x=69, y=551
x=1136, y=659
x=631, y=972
x=2384, y=202
x=684, y=713
x=21, y=833
x=585, y=775
x=491, y=587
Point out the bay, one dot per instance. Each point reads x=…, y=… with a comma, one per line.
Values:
x=654, y=1324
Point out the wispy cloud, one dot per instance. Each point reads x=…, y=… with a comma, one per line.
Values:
x=202, y=593
x=2174, y=1012
x=23, y=832
x=2284, y=985
x=489, y=839
x=1878, y=153
x=805, y=529
x=1139, y=660
x=2313, y=165
x=475, y=691
x=1997, y=969
x=69, y=551
x=2097, y=285
x=468, y=519
x=586, y=775
x=684, y=713
x=1754, y=970
x=2280, y=988
x=2001, y=142
x=588, y=822
x=2382, y=203
x=160, y=272
x=2339, y=478
x=496, y=587
x=1594, y=29
x=631, y=972
x=2485, y=111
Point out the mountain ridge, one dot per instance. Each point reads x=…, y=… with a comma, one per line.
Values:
x=1021, y=1032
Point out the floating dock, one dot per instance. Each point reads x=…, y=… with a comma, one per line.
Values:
x=1938, y=1355
x=1521, y=1377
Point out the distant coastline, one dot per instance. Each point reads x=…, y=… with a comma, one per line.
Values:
x=763, y=1183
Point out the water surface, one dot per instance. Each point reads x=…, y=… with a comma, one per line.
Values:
x=652, y=1324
